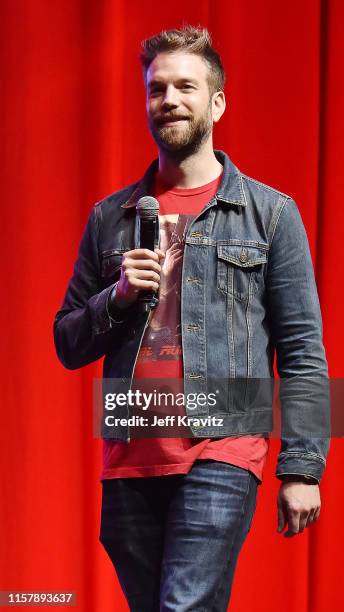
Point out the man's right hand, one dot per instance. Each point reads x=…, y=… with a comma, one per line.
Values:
x=140, y=270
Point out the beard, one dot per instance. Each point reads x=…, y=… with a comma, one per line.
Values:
x=182, y=140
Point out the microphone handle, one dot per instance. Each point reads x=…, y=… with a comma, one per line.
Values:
x=148, y=227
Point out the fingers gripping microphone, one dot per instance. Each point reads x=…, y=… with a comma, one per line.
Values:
x=148, y=211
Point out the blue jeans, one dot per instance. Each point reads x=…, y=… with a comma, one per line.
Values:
x=174, y=540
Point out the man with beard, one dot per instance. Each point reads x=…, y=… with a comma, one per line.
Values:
x=232, y=271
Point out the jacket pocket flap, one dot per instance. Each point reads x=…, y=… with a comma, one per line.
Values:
x=241, y=254
x=111, y=262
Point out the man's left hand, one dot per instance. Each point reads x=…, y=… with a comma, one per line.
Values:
x=298, y=506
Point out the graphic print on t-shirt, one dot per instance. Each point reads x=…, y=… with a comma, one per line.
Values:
x=162, y=340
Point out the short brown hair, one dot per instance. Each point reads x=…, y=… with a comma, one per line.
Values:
x=189, y=39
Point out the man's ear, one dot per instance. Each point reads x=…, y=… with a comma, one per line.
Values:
x=218, y=105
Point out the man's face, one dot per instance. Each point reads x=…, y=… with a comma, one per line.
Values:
x=179, y=105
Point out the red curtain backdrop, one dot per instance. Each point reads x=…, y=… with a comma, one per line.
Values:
x=73, y=130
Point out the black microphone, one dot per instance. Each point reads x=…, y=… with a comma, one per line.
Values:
x=148, y=211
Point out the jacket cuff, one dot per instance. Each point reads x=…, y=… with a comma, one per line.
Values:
x=102, y=321
x=305, y=478
x=117, y=315
x=301, y=464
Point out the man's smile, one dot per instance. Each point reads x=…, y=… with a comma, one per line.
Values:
x=171, y=120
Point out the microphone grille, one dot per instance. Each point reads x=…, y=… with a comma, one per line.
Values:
x=147, y=207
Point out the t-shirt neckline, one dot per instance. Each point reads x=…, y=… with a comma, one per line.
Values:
x=163, y=187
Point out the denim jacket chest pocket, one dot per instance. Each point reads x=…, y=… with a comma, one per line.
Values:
x=110, y=265
x=240, y=267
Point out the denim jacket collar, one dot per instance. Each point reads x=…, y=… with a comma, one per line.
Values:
x=230, y=192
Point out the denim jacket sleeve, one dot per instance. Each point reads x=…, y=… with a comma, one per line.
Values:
x=83, y=327
x=296, y=327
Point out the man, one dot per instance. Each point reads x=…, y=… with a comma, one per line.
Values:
x=234, y=278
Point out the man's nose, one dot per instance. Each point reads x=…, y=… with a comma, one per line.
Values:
x=170, y=99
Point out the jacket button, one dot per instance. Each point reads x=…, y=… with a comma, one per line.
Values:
x=243, y=257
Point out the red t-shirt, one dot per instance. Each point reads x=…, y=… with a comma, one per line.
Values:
x=160, y=356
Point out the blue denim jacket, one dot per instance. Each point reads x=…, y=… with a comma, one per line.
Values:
x=248, y=289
